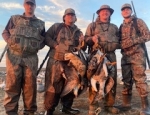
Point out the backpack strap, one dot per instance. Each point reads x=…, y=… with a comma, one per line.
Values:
x=59, y=27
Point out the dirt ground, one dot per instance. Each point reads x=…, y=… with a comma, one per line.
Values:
x=81, y=103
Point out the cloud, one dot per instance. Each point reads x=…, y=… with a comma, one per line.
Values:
x=10, y=5
x=46, y=8
x=82, y=24
x=57, y=3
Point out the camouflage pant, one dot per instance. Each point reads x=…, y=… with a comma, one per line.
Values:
x=20, y=79
x=134, y=70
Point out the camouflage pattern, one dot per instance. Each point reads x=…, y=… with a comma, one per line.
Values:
x=61, y=73
x=133, y=60
x=108, y=35
x=69, y=11
x=67, y=40
x=126, y=6
x=22, y=62
x=105, y=7
x=25, y=37
x=108, y=41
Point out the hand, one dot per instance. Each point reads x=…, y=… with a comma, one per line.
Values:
x=95, y=39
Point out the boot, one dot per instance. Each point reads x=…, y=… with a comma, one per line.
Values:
x=29, y=113
x=71, y=111
x=49, y=112
x=126, y=102
x=109, y=102
x=67, y=102
x=145, y=106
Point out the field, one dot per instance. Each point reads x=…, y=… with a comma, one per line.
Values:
x=81, y=102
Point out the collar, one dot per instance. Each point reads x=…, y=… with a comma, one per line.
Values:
x=130, y=20
x=23, y=16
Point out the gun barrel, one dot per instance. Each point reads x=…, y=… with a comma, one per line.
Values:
x=133, y=8
x=2, y=55
x=43, y=62
x=144, y=46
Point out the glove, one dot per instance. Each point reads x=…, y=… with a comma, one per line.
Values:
x=127, y=43
x=49, y=100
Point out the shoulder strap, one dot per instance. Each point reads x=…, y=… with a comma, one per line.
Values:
x=136, y=26
x=59, y=27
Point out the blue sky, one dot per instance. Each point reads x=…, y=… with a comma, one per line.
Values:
x=51, y=11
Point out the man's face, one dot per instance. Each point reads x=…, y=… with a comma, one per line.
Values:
x=29, y=7
x=104, y=14
x=126, y=12
x=70, y=18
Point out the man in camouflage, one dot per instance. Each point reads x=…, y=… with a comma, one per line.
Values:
x=24, y=37
x=105, y=34
x=62, y=38
x=134, y=33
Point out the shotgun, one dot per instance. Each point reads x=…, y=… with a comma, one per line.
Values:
x=143, y=44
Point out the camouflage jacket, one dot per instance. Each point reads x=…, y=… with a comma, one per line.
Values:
x=24, y=35
x=67, y=39
x=108, y=34
x=131, y=41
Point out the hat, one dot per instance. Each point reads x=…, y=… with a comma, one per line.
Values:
x=32, y=1
x=126, y=6
x=69, y=11
x=105, y=7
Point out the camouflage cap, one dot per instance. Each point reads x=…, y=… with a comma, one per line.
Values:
x=32, y=1
x=126, y=6
x=105, y=7
x=69, y=11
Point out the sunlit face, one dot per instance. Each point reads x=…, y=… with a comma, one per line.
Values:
x=104, y=14
x=29, y=7
x=126, y=12
x=70, y=18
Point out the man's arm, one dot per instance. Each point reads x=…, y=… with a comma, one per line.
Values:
x=6, y=33
x=144, y=32
x=50, y=37
x=88, y=35
x=142, y=37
